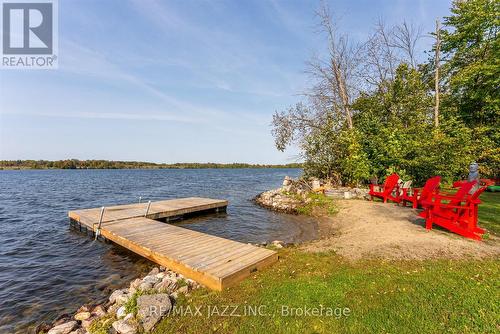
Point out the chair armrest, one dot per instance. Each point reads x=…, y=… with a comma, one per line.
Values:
x=486, y=182
x=438, y=198
x=447, y=206
x=446, y=192
x=445, y=196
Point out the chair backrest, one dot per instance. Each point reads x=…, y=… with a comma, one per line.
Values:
x=406, y=185
x=429, y=187
x=462, y=192
x=478, y=193
x=390, y=182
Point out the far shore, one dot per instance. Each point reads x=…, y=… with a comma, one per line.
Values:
x=108, y=164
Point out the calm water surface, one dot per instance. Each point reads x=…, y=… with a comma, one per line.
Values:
x=47, y=269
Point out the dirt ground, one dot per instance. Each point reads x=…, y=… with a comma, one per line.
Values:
x=364, y=229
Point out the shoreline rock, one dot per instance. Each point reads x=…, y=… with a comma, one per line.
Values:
x=154, y=295
x=65, y=328
x=151, y=308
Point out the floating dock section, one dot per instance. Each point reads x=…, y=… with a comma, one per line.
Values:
x=215, y=262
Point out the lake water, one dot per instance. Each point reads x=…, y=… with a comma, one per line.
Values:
x=47, y=269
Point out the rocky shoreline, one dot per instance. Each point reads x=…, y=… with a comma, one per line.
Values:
x=287, y=198
x=131, y=310
x=295, y=193
x=278, y=201
x=136, y=309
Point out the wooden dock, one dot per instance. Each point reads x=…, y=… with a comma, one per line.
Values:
x=215, y=262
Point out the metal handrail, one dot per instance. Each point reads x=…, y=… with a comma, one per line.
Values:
x=147, y=210
x=98, y=231
x=101, y=215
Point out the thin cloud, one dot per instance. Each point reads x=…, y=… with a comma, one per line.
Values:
x=230, y=61
x=111, y=115
x=83, y=61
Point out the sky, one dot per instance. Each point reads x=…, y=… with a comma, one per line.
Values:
x=178, y=81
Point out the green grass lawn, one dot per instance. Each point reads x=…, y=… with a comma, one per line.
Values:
x=382, y=296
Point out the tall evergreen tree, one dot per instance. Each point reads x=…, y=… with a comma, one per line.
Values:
x=471, y=48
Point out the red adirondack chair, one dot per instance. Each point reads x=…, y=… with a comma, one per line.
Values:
x=418, y=196
x=474, y=201
x=386, y=194
x=470, y=221
x=458, y=215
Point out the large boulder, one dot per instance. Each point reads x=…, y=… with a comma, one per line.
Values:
x=151, y=308
x=64, y=328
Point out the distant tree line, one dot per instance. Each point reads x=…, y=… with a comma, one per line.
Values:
x=106, y=164
x=372, y=109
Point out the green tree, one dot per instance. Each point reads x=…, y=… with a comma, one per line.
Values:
x=471, y=48
x=335, y=154
x=395, y=123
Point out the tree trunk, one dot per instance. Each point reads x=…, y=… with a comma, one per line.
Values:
x=343, y=94
x=436, y=79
